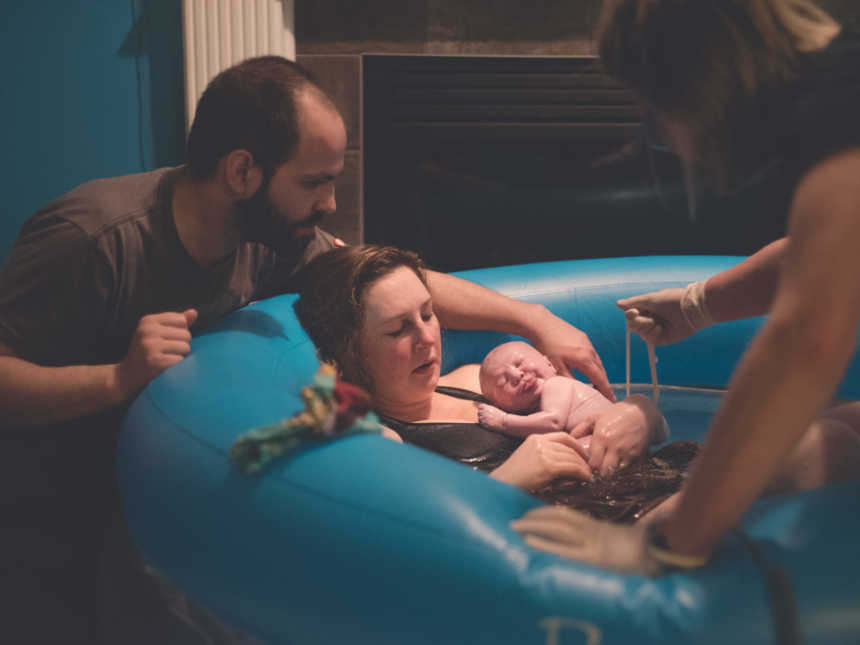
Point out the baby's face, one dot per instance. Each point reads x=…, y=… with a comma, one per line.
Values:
x=513, y=374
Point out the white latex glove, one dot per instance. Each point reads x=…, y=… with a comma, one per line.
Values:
x=627, y=549
x=669, y=315
x=574, y=535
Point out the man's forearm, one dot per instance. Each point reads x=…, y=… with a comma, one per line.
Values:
x=461, y=304
x=746, y=289
x=31, y=394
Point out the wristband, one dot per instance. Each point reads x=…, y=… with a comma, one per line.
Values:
x=693, y=306
x=667, y=559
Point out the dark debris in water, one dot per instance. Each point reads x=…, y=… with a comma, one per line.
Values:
x=628, y=494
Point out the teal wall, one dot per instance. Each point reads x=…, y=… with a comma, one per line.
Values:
x=91, y=88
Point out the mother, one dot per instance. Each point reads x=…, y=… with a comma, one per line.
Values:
x=368, y=311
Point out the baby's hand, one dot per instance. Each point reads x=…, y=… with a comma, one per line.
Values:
x=491, y=417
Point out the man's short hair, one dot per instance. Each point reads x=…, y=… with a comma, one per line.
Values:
x=250, y=106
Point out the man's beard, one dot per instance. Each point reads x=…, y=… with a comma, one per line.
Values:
x=262, y=222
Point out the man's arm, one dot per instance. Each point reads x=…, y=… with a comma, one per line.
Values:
x=792, y=367
x=32, y=394
x=461, y=304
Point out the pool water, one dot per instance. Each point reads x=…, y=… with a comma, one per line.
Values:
x=688, y=410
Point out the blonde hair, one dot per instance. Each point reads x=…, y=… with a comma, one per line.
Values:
x=705, y=65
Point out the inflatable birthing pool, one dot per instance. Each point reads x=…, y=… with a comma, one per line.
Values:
x=363, y=540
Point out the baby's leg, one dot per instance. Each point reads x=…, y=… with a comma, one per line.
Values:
x=829, y=451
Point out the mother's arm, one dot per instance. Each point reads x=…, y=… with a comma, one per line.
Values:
x=539, y=460
x=461, y=304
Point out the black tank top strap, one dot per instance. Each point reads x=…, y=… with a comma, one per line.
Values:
x=396, y=424
x=468, y=443
x=460, y=393
x=456, y=392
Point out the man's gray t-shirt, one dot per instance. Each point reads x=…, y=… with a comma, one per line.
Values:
x=83, y=271
x=89, y=265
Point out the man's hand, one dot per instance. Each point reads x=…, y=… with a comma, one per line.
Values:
x=491, y=417
x=574, y=535
x=160, y=340
x=669, y=315
x=541, y=458
x=569, y=348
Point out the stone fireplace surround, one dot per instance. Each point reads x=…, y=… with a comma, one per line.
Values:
x=333, y=35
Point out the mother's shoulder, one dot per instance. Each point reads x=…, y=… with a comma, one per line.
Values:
x=465, y=376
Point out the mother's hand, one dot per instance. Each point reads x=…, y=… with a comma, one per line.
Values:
x=622, y=434
x=541, y=458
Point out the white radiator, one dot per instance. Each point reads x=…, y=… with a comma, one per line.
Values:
x=219, y=33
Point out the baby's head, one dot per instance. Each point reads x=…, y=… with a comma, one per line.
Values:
x=512, y=376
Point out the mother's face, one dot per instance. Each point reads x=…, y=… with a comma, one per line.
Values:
x=400, y=342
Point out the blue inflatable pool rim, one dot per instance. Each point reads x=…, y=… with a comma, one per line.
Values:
x=364, y=540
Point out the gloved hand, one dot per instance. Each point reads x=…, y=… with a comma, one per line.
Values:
x=574, y=535
x=669, y=315
x=627, y=549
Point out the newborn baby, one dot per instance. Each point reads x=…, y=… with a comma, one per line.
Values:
x=528, y=395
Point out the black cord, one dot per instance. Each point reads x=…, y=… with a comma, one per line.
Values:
x=139, y=50
x=783, y=606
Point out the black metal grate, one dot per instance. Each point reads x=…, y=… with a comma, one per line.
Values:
x=482, y=161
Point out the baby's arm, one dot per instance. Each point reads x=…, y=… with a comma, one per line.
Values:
x=556, y=399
